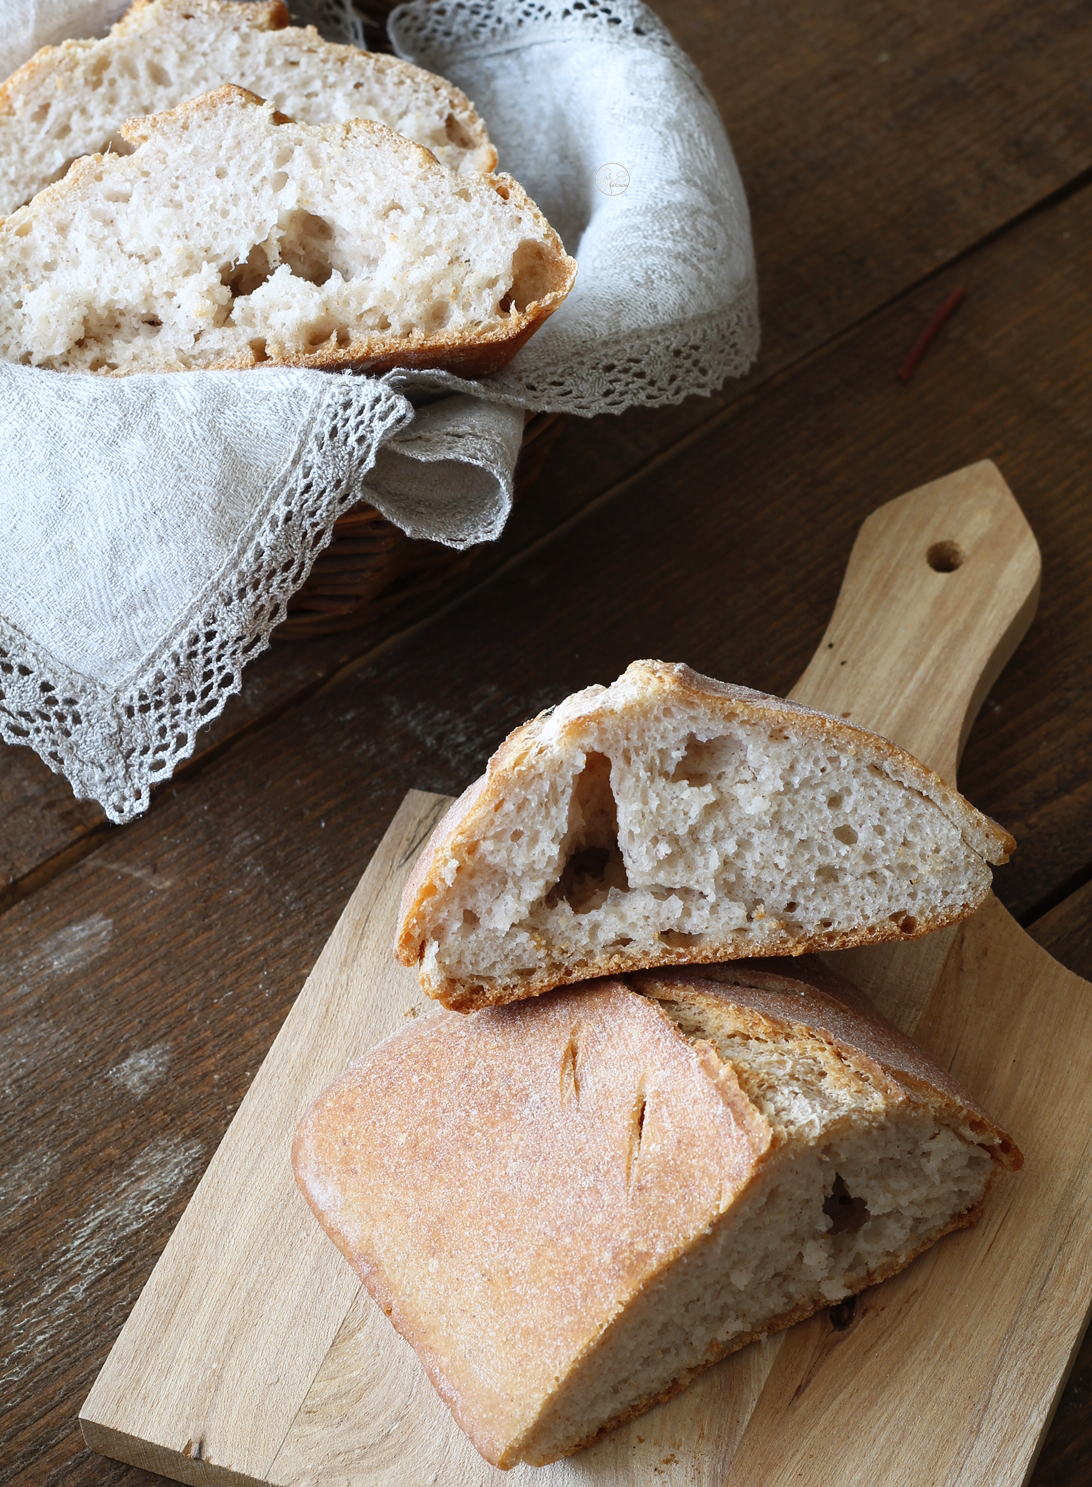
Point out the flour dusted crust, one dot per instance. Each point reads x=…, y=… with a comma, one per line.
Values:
x=234, y=236
x=624, y=829
x=570, y=1206
x=73, y=99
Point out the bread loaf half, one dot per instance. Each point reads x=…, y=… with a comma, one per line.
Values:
x=72, y=100
x=673, y=819
x=572, y=1205
x=234, y=236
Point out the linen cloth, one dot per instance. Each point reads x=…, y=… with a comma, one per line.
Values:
x=155, y=527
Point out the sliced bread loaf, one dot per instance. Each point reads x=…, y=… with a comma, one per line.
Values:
x=672, y=819
x=73, y=99
x=571, y=1206
x=233, y=235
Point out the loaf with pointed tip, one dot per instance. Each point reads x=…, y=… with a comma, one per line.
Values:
x=673, y=819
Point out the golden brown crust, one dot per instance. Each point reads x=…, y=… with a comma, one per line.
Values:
x=456, y=1119
x=633, y=1139
x=472, y=812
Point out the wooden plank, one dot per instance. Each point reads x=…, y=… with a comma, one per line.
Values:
x=143, y=989
x=245, y=1249
x=888, y=1400
x=855, y=191
x=950, y=1373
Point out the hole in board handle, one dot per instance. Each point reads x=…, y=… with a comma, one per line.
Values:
x=944, y=557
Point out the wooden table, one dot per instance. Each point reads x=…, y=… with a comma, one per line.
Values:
x=891, y=153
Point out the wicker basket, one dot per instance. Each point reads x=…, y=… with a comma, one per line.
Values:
x=371, y=566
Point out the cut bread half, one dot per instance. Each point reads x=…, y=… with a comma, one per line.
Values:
x=234, y=236
x=670, y=819
x=571, y=1206
x=72, y=100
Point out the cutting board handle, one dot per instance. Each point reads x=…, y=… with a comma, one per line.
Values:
x=941, y=585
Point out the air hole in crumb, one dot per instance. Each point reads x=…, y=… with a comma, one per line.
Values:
x=257, y=347
x=306, y=246
x=678, y=939
x=501, y=190
x=592, y=862
x=243, y=278
x=159, y=75
x=344, y=335
x=791, y=906
x=906, y=922
x=945, y=557
x=826, y=923
x=846, y=1213
x=845, y=834
x=505, y=305
x=532, y=274
x=457, y=132
x=280, y=180
x=834, y=802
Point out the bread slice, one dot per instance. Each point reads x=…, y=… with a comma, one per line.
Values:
x=570, y=1206
x=73, y=99
x=234, y=236
x=673, y=819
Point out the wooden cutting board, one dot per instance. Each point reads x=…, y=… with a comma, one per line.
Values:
x=254, y=1355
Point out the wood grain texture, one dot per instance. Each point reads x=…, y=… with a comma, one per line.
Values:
x=143, y=988
x=891, y=1399
x=940, y=588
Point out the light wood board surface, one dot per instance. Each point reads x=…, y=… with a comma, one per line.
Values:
x=253, y=1354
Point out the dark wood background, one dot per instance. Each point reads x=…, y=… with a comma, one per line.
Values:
x=891, y=151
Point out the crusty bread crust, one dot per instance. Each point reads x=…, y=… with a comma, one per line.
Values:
x=412, y=1160
x=472, y=812
x=470, y=353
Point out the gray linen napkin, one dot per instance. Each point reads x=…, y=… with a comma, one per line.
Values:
x=155, y=527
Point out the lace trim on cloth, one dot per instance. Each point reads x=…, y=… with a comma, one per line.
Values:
x=114, y=744
x=692, y=359
x=448, y=30
x=665, y=305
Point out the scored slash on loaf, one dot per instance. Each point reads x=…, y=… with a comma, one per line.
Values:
x=571, y=1205
x=673, y=819
x=73, y=99
x=234, y=236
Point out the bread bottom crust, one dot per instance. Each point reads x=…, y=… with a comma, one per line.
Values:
x=459, y=996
